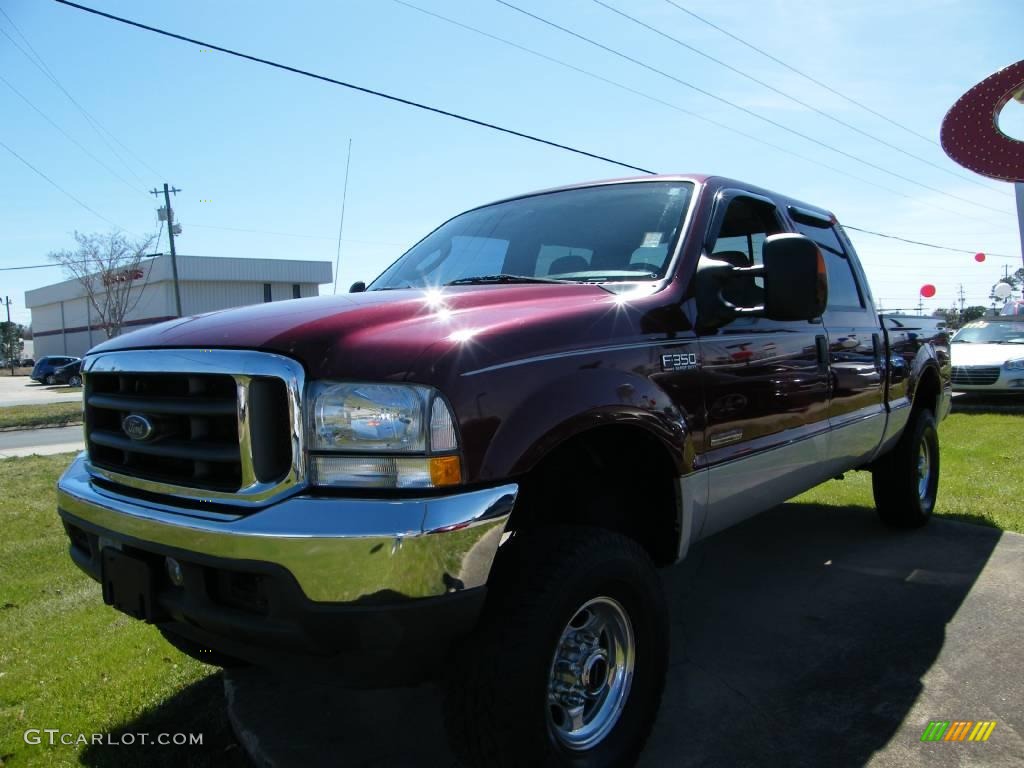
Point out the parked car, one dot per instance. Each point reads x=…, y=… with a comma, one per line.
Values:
x=475, y=466
x=988, y=356
x=45, y=369
x=70, y=374
x=28, y=362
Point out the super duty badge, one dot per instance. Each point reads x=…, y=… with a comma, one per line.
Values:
x=678, y=361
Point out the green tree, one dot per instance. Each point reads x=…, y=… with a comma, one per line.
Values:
x=971, y=313
x=11, y=344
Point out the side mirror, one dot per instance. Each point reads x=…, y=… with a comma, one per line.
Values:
x=795, y=284
x=795, y=281
x=357, y=287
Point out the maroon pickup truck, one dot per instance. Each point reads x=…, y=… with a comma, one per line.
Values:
x=475, y=466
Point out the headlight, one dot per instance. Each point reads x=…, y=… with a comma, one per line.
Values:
x=388, y=435
x=1015, y=365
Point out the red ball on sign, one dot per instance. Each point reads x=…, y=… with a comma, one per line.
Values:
x=928, y=290
x=979, y=257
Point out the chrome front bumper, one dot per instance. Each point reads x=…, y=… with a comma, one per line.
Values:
x=339, y=550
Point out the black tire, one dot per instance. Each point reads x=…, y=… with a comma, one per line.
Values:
x=51, y=379
x=498, y=707
x=75, y=381
x=906, y=480
x=205, y=655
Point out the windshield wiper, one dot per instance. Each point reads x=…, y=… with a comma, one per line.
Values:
x=503, y=278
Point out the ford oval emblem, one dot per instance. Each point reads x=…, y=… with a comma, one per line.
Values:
x=137, y=426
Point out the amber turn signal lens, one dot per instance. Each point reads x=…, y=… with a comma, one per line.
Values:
x=445, y=470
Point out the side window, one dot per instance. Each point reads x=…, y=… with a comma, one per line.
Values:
x=843, y=292
x=746, y=224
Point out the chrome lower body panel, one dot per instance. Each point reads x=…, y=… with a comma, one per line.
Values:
x=339, y=550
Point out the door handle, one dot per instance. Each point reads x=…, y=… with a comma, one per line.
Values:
x=821, y=344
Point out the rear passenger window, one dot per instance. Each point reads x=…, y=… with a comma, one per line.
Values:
x=843, y=292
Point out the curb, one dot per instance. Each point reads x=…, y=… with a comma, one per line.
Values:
x=34, y=427
x=247, y=740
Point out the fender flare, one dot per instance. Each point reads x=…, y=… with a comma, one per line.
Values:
x=603, y=397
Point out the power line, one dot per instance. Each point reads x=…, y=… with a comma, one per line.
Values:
x=741, y=108
x=354, y=87
x=60, y=188
x=802, y=74
x=421, y=106
x=89, y=117
x=110, y=170
x=794, y=99
x=676, y=107
x=97, y=126
x=926, y=245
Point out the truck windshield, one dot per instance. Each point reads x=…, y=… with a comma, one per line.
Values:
x=990, y=333
x=616, y=232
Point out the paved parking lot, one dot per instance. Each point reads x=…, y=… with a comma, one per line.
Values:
x=21, y=390
x=808, y=636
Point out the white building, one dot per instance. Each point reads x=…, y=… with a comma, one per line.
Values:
x=63, y=323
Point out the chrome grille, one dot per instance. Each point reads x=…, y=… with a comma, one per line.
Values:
x=194, y=423
x=210, y=424
x=979, y=375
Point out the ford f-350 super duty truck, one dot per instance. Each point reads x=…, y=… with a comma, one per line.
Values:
x=476, y=465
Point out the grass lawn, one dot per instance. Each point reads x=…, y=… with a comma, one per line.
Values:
x=71, y=663
x=48, y=415
x=981, y=455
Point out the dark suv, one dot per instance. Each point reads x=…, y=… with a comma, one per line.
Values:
x=46, y=367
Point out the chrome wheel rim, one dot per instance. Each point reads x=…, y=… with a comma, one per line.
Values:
x=924, y=472
x=591, y=674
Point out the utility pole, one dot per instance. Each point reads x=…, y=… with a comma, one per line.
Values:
x=170, y=237
x=961, y=302
x=10, y=360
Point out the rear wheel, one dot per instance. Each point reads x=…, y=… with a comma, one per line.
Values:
x=906, y=480
x=75, y=381
x=569, y=664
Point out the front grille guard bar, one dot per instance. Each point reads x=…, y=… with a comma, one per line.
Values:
x=243, y=367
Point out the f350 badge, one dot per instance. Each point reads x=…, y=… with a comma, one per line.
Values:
x=678, y=361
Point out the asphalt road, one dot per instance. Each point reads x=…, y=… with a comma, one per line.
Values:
x=808, y=636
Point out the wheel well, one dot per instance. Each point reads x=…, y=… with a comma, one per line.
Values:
x=927, y=393
x=615, y=477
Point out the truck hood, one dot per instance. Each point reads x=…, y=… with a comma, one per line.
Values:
x=985, y=354
x=382, y=335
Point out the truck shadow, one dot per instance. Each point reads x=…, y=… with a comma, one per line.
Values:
x=800, y=638
x=970, y=402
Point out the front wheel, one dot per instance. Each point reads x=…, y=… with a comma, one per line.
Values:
x=906, y=480
x=75, y=381
x=50, y=379
x=569, y=665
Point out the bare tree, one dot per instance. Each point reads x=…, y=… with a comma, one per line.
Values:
x=111, y=271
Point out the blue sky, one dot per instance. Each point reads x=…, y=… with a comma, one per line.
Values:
x=267, y=148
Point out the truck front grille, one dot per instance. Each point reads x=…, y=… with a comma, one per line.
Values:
x=194, y=422
x=978, y=375
x=208, y=424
